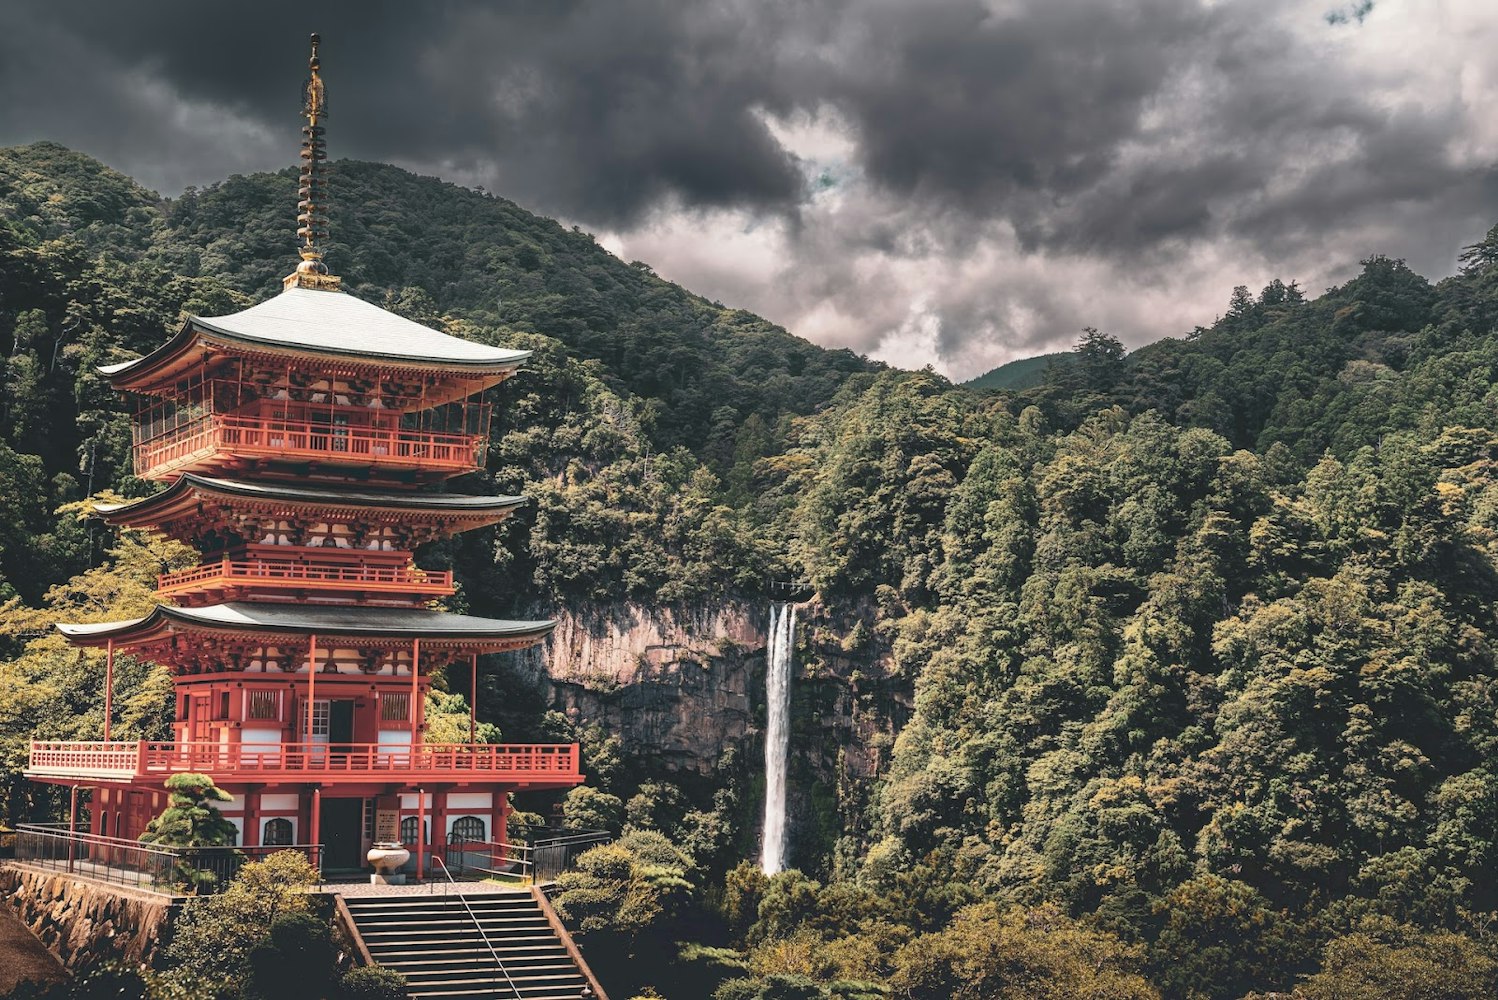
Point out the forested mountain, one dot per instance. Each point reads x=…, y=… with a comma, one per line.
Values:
x=1196, y=644
x=1025, y=373
x=93, y=268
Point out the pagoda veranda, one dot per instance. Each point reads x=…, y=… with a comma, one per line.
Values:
x=302, y=445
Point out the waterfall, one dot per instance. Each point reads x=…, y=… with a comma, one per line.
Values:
x=777, y=732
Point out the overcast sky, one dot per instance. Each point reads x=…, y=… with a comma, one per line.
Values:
x=947, y=182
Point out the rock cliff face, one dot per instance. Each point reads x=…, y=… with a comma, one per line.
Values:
x=680, y=687
x=675, y=687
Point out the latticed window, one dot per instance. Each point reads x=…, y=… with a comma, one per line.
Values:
x=263, y=705
x=468, y=828
x=318, y=724
x=395, y=706
x=409, y=830
x=277, y=833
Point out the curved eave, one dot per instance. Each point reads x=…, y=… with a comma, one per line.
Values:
x=189, y=488
x=504, y=363
x=330, y=623
x=196, y=332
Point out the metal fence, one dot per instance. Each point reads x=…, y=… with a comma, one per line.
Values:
x=533, y=854
x=172, y=870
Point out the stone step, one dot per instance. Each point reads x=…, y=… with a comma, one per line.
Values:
x=444, y=950
x=480, y=959
x=432, y=950
x=484, y=976
x=502, y=993
x=446, y=923
x=386, y=913
x=554, y=964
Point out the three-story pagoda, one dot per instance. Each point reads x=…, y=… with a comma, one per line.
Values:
x=303, y=442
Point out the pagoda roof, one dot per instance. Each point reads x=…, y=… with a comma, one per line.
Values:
x=188, y=490
x=252, y=620
x=330, y=324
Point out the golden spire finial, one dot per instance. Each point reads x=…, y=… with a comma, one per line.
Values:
x=312, y=223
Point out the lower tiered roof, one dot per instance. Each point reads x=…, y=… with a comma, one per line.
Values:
x=261, y=622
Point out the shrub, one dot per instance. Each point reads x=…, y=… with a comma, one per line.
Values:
x=295, y=960
x=372, y=982
x=228, y=926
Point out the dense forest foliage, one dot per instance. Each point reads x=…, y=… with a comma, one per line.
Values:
x=1023, y=373
x=1200, y=638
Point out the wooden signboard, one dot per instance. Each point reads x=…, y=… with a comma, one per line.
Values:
x=387, y=826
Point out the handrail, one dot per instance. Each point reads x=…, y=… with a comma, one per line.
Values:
x=351, y=927
x=115, y=860
x=143, y=757
x=287, y=437
x=288, y=570
x=533, y=860
x=514, y=990
x=565, y=936
x=499, y=852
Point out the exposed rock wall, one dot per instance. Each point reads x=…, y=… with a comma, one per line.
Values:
x=676, y=687
x=680, y=687
x=85, y=924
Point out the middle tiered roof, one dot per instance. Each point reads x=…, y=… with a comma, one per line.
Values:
x=193, y=505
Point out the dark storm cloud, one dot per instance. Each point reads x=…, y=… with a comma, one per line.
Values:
x=597, y=111
x=1127, y=140
x=985, y=109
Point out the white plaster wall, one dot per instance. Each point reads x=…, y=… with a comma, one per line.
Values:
x=472, y=801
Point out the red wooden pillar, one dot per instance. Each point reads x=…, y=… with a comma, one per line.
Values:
x=421, y=832
x=252, y=816
x=314, y=823
x=473, y=702
x=415, y=694
x=306, y=736
x=108, y=686
x=501, y=832
x=439, y=822
x=72, y=825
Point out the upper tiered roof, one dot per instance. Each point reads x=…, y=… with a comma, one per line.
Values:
x=329, y=324
x=313, y=318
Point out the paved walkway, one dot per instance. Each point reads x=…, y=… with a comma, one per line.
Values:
x=363, y=889
x=22, y=956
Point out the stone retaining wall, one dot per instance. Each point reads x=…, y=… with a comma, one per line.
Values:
x=85, y=923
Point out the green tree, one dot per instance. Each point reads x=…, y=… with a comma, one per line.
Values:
x=372, y=982
x=1413, y=966
x=208, y=956
x=588, y=808
x=988, y=954
x=296, y=960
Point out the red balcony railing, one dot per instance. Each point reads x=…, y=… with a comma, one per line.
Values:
x=198, y=441
x=275, y=573
x=550, y=763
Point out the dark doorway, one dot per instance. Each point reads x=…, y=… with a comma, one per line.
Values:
x=342, y=834
x=340, y=725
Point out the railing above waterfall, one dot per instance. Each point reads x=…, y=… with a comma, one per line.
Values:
x=790, y=590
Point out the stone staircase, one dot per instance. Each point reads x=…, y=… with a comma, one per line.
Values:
x=436, y=943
